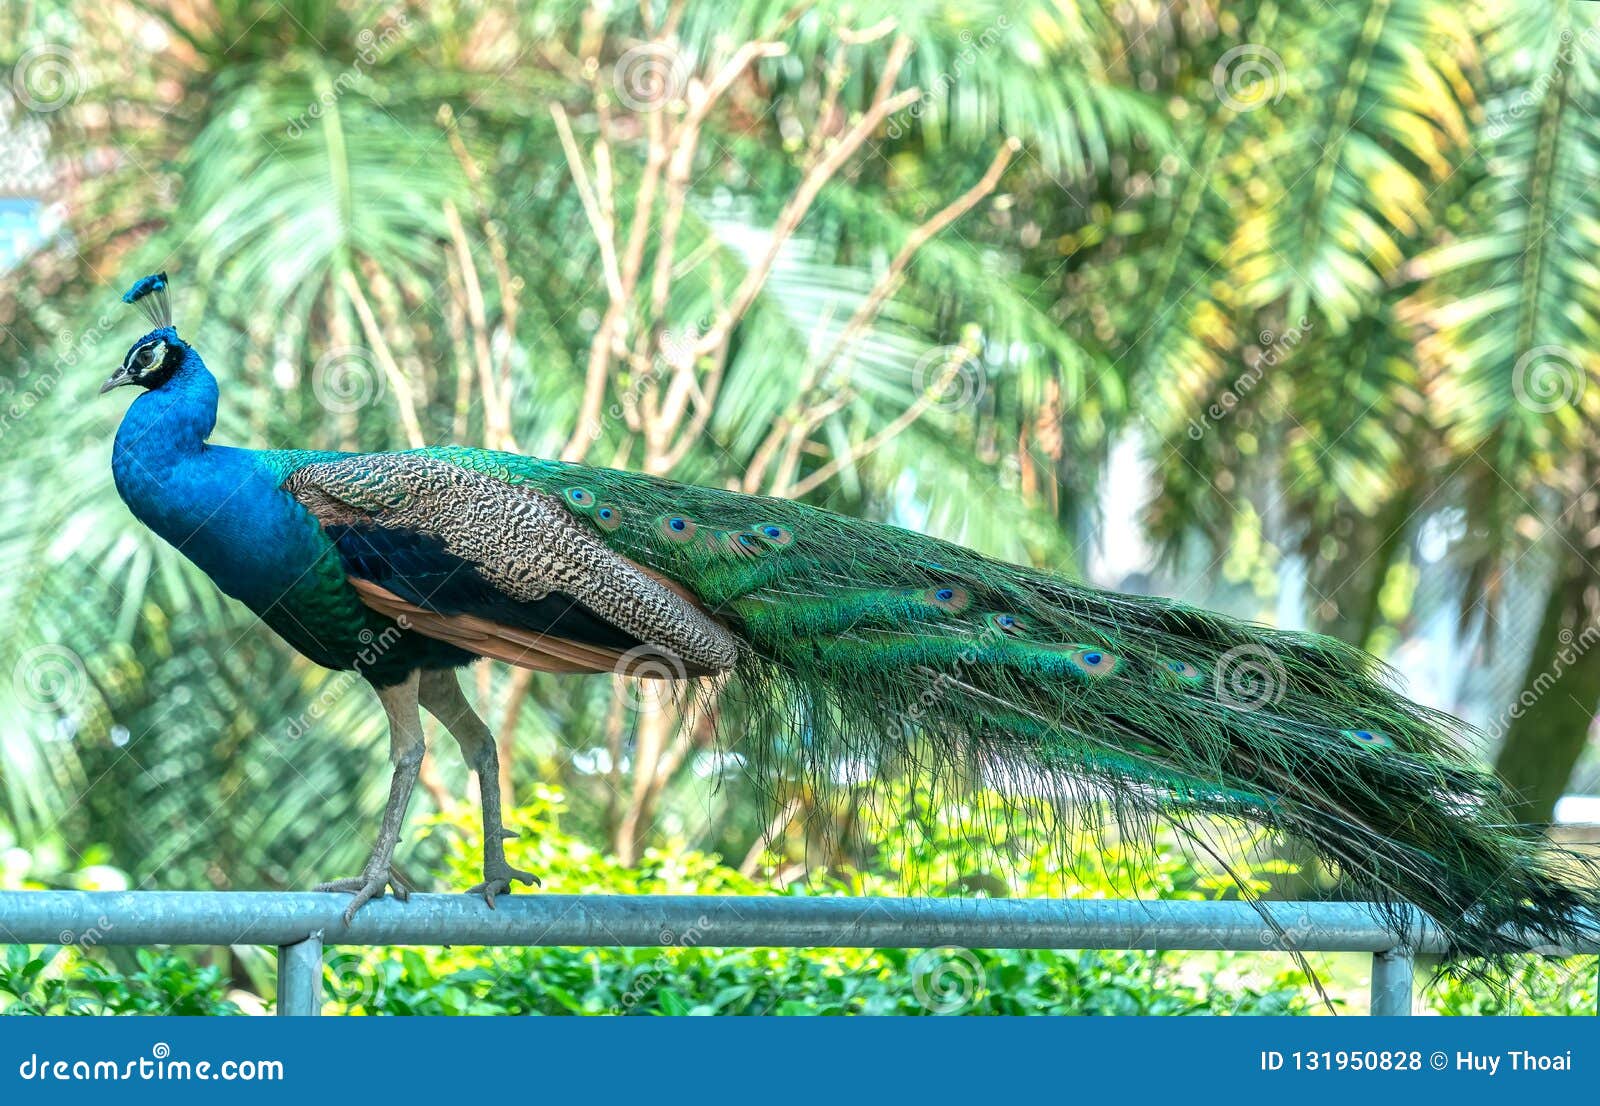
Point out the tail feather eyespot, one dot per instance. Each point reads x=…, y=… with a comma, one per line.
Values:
x=607, y=517
x=1093, y=661
x=773, y=534
x=1372, y=739
x=677, y=528
x=947, y=598
x=746, y=544
x=1185, y=672
x=580, y=498
x=1008, y=624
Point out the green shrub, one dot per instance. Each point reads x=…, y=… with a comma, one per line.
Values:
x=66, y=980
x=1532, y=986
x=693, y=976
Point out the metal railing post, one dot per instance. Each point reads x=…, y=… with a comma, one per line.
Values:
x=1392, y=973
x=300, y=977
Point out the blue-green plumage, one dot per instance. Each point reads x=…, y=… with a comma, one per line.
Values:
x=872, y=642
x=226, y=510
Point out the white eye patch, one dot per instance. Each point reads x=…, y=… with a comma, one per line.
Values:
x=147, y=357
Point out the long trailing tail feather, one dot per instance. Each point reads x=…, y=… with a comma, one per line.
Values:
x=886, y=645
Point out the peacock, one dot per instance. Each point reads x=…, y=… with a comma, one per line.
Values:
x=849, y=641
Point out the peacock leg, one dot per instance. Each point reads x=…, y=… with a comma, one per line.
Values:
x=440, y=692
x=405, y=752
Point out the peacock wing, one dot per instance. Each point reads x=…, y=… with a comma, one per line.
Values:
x=503, y=570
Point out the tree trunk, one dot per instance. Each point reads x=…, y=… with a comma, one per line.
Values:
x=1547, y=726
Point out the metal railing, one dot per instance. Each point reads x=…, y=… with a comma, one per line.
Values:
x=301, y=925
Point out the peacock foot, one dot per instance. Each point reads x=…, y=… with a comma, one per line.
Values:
x=367, y=887
x=497, y=879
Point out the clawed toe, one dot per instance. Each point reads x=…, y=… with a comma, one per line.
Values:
x=499, y=882
x=365, y=888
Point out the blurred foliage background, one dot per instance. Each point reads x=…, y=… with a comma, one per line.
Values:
x=1285, y=308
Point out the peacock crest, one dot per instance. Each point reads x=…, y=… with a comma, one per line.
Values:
x=149, y=295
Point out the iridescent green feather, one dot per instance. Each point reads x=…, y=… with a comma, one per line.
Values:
x=883, y=644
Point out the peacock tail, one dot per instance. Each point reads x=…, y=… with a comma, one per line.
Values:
x=880, y=645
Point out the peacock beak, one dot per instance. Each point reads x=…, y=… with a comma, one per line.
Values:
x=118, y=379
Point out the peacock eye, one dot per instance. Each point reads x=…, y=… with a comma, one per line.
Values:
x=147, y=357
x=1370, y=738
x=677, y=528
x=1092, y=661
x=774, y=534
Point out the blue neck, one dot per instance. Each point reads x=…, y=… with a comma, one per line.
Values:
x=169, y=421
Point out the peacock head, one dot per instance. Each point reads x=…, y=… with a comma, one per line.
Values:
x=153, y=359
